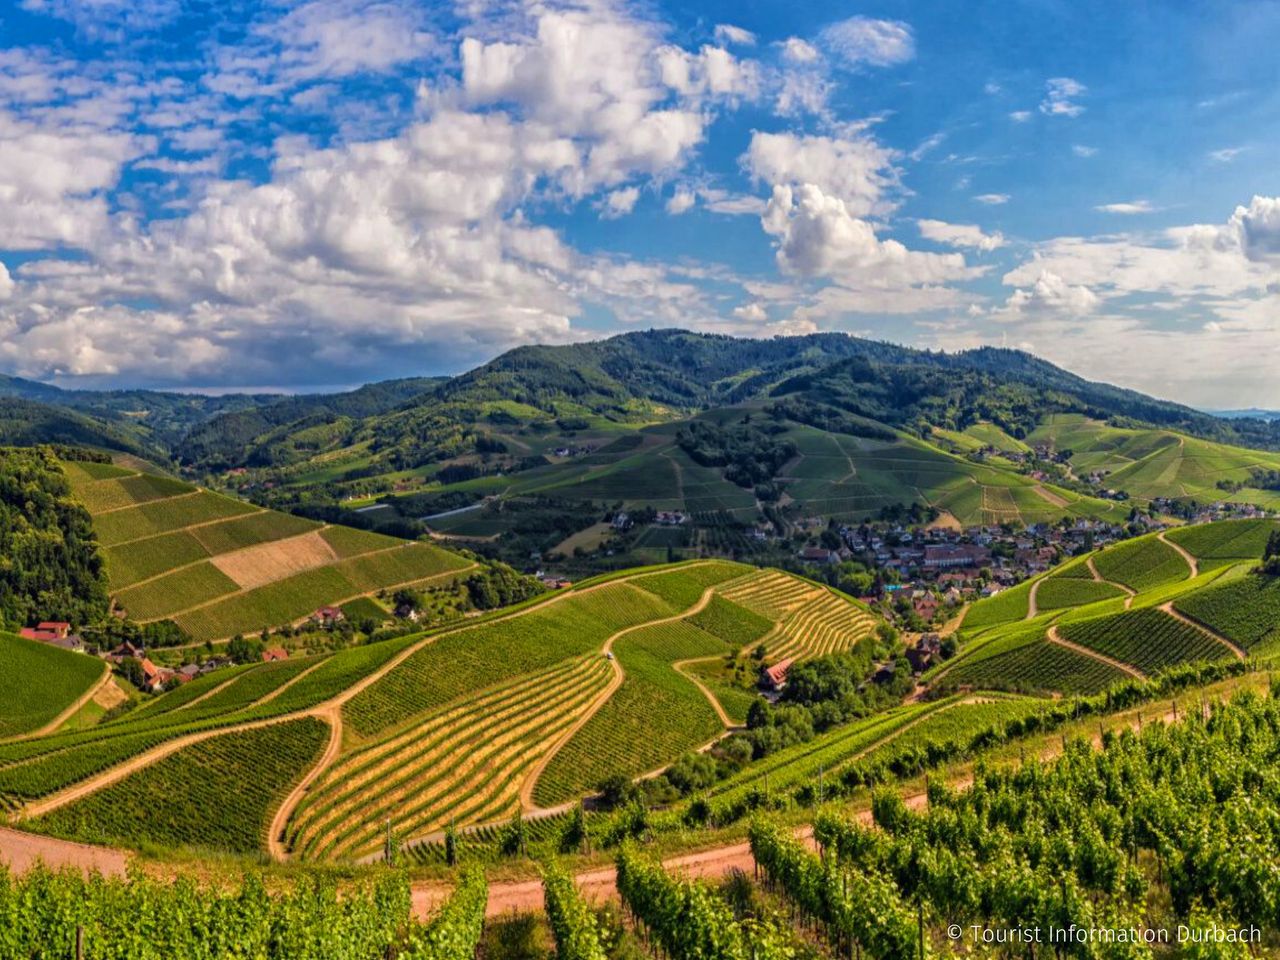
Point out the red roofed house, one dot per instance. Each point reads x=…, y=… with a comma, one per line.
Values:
x=775, y=677
x=328, y=616
x=59, y=627
x=152, y=677
x=44, y=636
x=275, y=653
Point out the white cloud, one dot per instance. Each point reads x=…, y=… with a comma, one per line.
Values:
x=1060, y=94
x=1226, y=154
x=1020, y=116
x=795, y=50
x=1259, y=228
x=1128, y=207
x=1050, y=295
x=1080, y=150
x=727, y=33
x=817, y=235
x=339, y=38
x=712, y=72
x=991, y=88
x=53, y=180
x=992, y=199
x=6, y=282
x=960, y=235
x=925, y=146
x=855, y=169
x=619, y=203
x=879, y=43
x=753, y=312
x=681, y=201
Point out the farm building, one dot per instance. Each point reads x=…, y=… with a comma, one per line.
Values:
x=272, y=654
x=775, y=678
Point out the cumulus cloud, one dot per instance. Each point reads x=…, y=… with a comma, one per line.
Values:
x=1259, y=228
x=1049, y=294
x=6, y=282
x=878, y=43
x=857, y=170
x=1059, y=99
x=960, y=235
x=818, y=235
x=795, y=50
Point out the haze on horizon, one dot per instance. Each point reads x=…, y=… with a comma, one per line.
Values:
x=342, y=191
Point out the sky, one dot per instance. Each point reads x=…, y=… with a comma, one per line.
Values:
x=221, y=193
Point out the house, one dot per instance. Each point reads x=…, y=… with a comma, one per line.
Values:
x=406, y=611
x=946, y=556
x=190, y=670
x=274, y=654
x=926, y=608
x=127, y=651
x=31, y=633
x=775, y=678
x=621, y=521
x=328, y=616
x=72, y=643
x=819, y=555
x=152, y=677
x=670, y=518
x=60, y=628
x=919, y=658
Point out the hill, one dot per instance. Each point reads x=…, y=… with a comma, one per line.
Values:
x=460, y=725
x=41, y=684
x=218, y=566
x=1133, y=610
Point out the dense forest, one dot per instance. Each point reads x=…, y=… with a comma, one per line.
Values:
x=50, y=567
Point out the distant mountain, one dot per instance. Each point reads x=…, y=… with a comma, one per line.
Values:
x=26, y=423
x=1252, y=413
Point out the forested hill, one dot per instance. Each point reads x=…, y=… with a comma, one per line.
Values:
x=50, y=565
x=26, y=423
x=652, y=376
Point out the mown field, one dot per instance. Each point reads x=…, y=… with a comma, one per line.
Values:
x=220, y=566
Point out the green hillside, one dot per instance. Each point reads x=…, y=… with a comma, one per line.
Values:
x=1134, y=609
x=39, y=682
x=218, y=566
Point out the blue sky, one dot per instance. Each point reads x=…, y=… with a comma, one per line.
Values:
x=316, y=194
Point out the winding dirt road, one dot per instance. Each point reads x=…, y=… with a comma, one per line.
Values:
x=73, y=709
x=1129, y=592
x=1177, y=615
x=1191, y=561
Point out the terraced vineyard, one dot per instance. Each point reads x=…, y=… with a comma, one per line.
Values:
x=219, y=566
x=1057, y=593
x=1246, y=611
x=1150, y=640
x=1037, y=666
x=1220, y=544
x=463, y=764
x=811, y=620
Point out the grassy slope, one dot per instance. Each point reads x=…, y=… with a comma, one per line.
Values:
x=38, y=682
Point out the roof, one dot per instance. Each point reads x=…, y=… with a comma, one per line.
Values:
x=777, y=674
x=53, y=625
x=149, y=669
x=275, y=653
x=27, y=633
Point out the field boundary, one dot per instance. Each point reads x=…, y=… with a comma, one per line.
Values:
x=1203, y=628
x=1055, y=637
x=74, y=708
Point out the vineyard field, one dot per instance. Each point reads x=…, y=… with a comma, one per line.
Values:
x=1141, y=564
x=1219, y=544
x=1150, y=640
x=62, y=676
x=1246, y=610
x=1058, y=592
x=216, y=794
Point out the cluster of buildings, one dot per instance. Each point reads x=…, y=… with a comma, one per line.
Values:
x=56, y=633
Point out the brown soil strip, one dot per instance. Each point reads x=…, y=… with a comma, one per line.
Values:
x=1191, y=561
x=274, y=560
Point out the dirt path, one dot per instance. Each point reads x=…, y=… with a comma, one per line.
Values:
x=1130, y=593
x=1049, y=496
x=1055, y=637
x=679, y=666
x=73, y=709
x=531, y=781
x=1235, y=650
x=1033, y=609
x=1192, y=562
x=22, y=851
x=191, y=526
x=275, y=833
x=143, y=503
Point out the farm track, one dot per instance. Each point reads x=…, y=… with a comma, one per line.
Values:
x=280, y=821
x=1213, y=634
x=531, y=780
x=1032, y=609
x=22, y=851
x=599, y=884
x=1130, y=593
x=1055, y=637
x=143, y=503
x=70, y=711
x=706, y=691
x=1192, y=562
